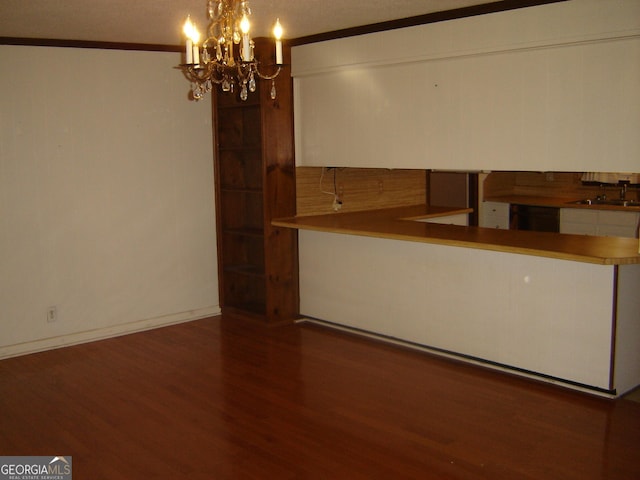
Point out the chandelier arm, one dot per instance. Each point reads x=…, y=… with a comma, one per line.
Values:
x=268, y=77
x=216, y=75
x=244, y=70
x=196, y=74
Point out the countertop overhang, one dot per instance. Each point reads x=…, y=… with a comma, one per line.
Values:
x=398, y=224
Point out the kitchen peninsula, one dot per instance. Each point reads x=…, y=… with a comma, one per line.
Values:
x=519, y=91
x=562, y=308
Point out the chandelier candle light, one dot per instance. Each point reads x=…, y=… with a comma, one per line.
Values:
x=215, y=61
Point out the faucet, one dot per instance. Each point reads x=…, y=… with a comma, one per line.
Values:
x=604, y=192
x=623, y=190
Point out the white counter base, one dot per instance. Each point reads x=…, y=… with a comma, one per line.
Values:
x=552, y=318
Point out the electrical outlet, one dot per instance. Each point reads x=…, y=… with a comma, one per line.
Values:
x=52, y=314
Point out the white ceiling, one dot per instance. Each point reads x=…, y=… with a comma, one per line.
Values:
x=160, y=21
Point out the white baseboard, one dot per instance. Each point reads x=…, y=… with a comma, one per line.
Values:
x=107, y=332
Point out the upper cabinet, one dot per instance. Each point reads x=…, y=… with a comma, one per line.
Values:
x=547, y=88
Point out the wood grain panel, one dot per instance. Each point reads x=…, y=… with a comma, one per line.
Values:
x=548, y=184
x=255, y=175
x=357, y=188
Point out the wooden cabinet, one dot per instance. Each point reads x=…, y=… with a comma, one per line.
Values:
x=255, y=183
x=604, y=223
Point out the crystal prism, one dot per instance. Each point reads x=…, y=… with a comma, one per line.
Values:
x=273, y=90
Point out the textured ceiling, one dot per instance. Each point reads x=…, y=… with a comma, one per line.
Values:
x=160, y=21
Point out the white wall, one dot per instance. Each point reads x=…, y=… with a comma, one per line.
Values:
x=552, y=87
x=106, y=196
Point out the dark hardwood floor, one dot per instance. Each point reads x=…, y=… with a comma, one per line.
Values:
x=230, y=399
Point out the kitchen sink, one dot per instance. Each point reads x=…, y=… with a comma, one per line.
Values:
x=597, y=201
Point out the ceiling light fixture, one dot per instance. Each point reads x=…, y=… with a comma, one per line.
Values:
x=226, y=56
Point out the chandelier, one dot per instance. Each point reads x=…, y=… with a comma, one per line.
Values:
x=226, y=56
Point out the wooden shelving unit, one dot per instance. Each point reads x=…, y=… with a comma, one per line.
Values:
x=255, y=183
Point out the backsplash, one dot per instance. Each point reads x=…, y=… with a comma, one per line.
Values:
x=326, y=190
x=322, y=190
x=549, y=184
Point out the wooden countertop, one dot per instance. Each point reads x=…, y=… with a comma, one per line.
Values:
x=398, y=224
